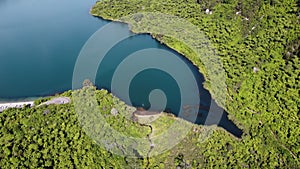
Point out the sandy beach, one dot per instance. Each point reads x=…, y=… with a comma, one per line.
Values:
x=58, y=100
x=4, y=106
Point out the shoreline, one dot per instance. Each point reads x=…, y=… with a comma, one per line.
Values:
x=21, y=104
x=20, y=99
x=4, y=106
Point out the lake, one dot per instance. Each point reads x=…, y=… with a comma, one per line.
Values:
x=41, y=40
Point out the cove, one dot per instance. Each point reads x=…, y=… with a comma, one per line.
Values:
x=40, y=42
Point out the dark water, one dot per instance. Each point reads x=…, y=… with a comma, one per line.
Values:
x=40, y=42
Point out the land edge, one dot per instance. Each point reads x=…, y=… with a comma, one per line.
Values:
x=21, y=104
x=140, y=114
x=200, y=69
x=203, y=128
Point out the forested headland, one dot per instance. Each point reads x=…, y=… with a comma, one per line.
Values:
x=258, y=43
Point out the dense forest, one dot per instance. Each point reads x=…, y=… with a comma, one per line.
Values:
x=258, y=43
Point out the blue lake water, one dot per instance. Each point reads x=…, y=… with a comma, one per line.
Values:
x=41, y=40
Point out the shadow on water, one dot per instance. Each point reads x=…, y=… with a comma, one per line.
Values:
x=49, y=39
x=150, y=79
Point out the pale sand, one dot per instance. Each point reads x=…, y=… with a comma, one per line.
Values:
x=58, y=100
x=4, y=106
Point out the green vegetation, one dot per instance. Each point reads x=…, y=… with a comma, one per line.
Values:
x=258, y=42
x=52, y=136
x=265, y=102
x=47, y=136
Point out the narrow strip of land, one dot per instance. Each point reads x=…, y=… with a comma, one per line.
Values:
x=58, y=100
x=4, y=106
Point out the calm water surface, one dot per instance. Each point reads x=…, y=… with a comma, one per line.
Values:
x=40, y=41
